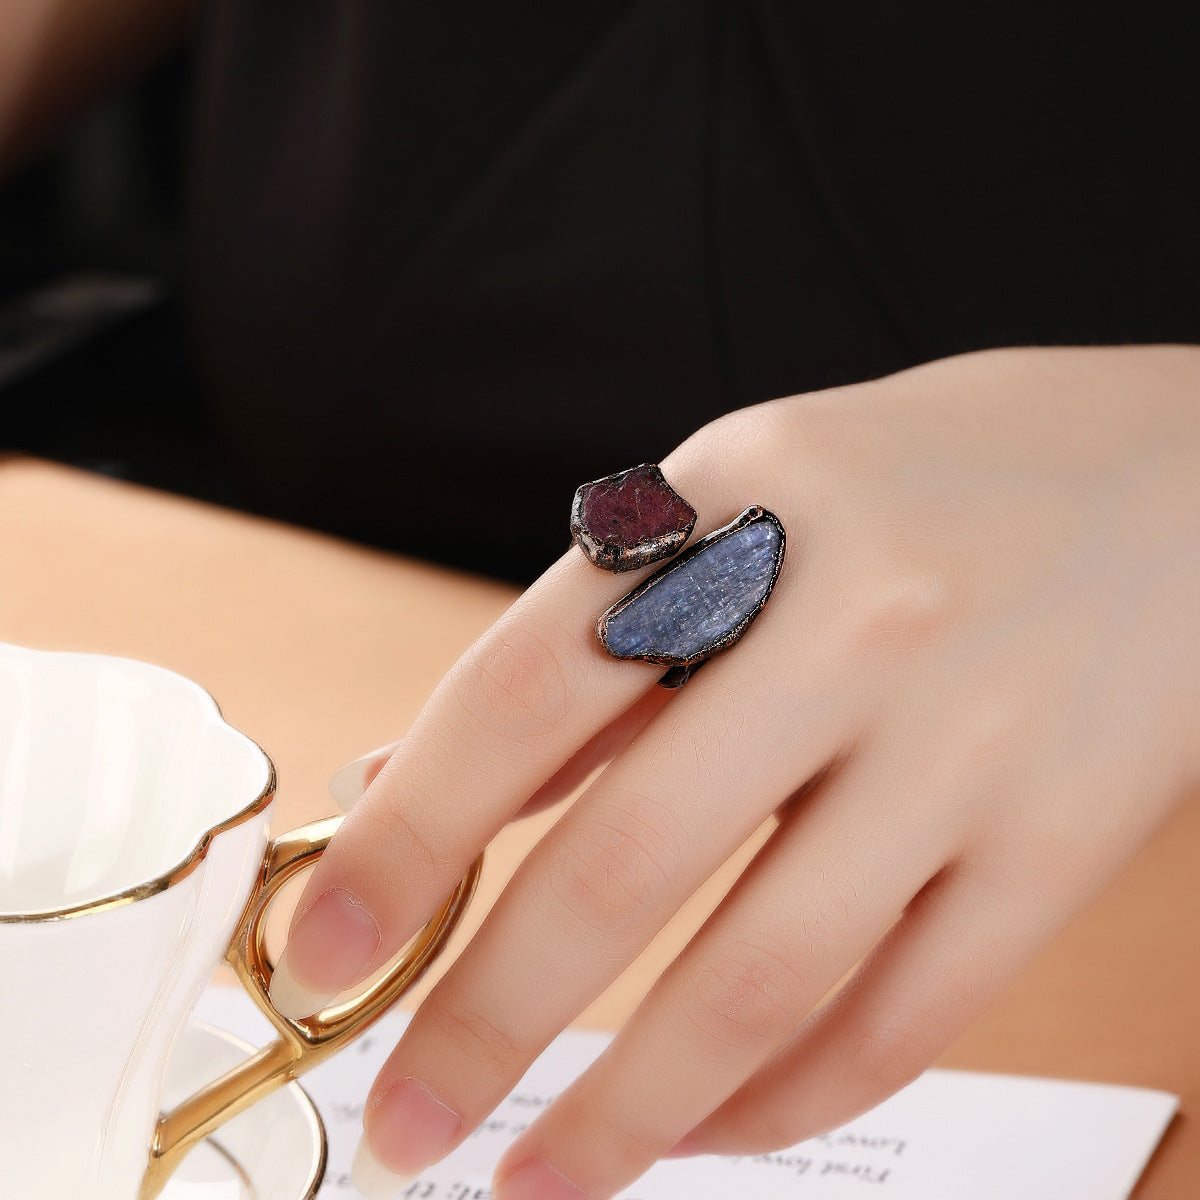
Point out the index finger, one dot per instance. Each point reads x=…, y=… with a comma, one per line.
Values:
x=512, y=711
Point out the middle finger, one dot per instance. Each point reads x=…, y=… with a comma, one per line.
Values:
x=588, y=899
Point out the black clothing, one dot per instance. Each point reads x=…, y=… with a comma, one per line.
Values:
x=451, y=259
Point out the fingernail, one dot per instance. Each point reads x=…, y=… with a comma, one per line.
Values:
x=412, y=1127
x=289, y=998
x=372, y=1179
x=349, y=782
x=536, y=1179
x=330, y=947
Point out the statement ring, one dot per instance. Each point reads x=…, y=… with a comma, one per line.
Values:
x=694, y=606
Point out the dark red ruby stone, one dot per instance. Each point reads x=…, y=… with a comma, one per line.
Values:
x=630, y=519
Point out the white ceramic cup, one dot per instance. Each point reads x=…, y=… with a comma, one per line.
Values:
x=134, y=857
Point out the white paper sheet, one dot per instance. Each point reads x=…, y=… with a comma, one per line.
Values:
x=951, y=1135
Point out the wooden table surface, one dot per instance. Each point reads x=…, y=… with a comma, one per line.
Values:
x=320, y=650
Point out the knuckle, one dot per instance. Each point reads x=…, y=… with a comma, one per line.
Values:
x=725, y=439
x=475, y=1037
x=902, y=609
x=735, y=448
x=513, y=683
x=716, y=717
x=757, y=1128
x=745, y=999
x=605, y=877
x=627, y=1150
x=893, y=1049
x=999, y=730
x=395, y=825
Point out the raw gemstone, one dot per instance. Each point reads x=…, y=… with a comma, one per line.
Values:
x=630, y=519
x=703, y=601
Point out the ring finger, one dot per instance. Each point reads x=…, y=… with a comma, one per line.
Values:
x=825, y=888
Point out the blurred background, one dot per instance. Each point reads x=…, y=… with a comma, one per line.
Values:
x=444, y=262
x=95, y=368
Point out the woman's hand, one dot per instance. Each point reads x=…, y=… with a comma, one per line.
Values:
x=973, y=695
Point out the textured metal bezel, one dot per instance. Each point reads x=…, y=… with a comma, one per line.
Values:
x=609, y=556
x=681, y=668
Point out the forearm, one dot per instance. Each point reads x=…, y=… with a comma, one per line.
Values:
x=57, y=55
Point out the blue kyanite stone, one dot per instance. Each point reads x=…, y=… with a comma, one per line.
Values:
x=704, y=600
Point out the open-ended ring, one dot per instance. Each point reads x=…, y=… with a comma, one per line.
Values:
x=697, y=604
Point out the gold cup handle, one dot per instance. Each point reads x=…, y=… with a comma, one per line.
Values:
x=301, y=1044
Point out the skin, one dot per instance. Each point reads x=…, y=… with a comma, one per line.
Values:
x=974, y=694
x=58, y=55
